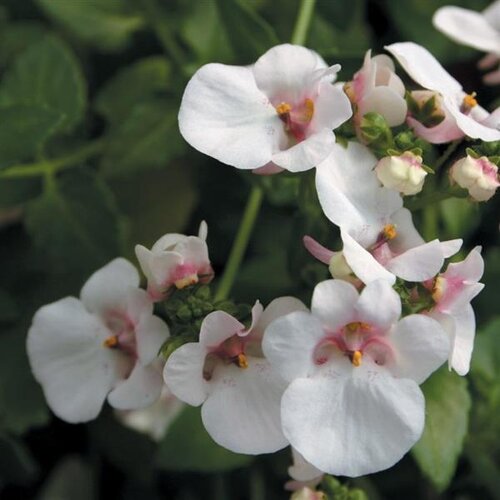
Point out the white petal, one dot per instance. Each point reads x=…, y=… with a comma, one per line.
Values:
x=302, y=470
x=463, y=339
x=108, y=287
x=68, y=359
x=424, y=68
x=203, y=230
x=277, y=308
x=467, y=27
x=363, y=207
x=217, y=327
x=142, y=388
x=289, y=342
x=379, y=305
x=492, y=14
x=150, y=333
x=183, y=373
x=224, y=115
x=353, y=426
x=168, y=242
x=362, y=262
x=407, y=235
x=420, y=346
x=331, y=108
x=469, y=125
x=307, y=153
x=285, y=72
x=446, y=131
x=334, y=303
x=451, y=247
x=387, y=102
x=242, y=411
x=418, y=264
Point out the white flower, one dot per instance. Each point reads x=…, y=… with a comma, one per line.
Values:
x=377, y=88
x=175, y=260
x=282, y=110
x=227, y=373
x=478, y=30
x=402, y=173
x=463, y=110
x=380, y=240
x=452, y=291
x=103, y=345
x=154, y=420
x=478, y=175
x=353, y=405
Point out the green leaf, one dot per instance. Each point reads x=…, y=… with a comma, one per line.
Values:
x=17, y=465
x=486, y=359
x=447, y=417
x=188, y=447
x=47, y=74
x=75, y=223
x=14, y=192
x=147, y=138
x=105, y=24
x=135, y=83
x=23, y=129
x=249, y=34
x=18, y=414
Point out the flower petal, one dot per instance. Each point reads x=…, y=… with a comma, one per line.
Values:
x=379, y=305
x=183, y=373
x=150, y=333
x=387, y=102
x=224, y=115
x=242, y=411
x=68, y=359
x=277, y=308
x=289, y=342
x=285, y=72
x=424, y=68
x=446, y=131
x=467, y=27
x=331, y=108
x=108, y=287
x=217, y=327
x=334, y=303
x=362, y=262
x=420, y=346
x=142, y=388
x=463, y=339
x=353, y=426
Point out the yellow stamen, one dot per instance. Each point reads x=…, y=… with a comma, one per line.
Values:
x=111, y=341
x=241, y=361
x=389, y=231
x=349, y=91
x=358, y=325
x=308, y=110
x=356, y=358
x=438, y=289
x=283, y=108
x=192, y=279
x=469, y=100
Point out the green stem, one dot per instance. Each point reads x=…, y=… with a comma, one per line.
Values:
x=447, y=153
x=435, y=197
x=303, y=21
x=255, y=200
x=240, y=243
x=158, y=21
x=43, y=167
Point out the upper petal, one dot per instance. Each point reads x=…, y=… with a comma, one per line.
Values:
x=286, y=72
x=108, y=287
x=150, y=333
x=224, y=115
x=331, y=108
x=420, y=347
x=387, y=102
x=463, y=339
x=467, y=27
x=242, y=411
x=277, y=308
x=424, y=68
x=68, y=359
x=353, y=426
x=217, y=327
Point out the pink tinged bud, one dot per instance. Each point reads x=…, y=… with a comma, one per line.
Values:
x=308, y=494
x=478, y=175
x=402, y=173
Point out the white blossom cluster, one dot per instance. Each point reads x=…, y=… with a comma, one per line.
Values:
x=338, y=379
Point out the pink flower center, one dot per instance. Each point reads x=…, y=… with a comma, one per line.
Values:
x=296, y=118
x=122, y=330
x=231, y=351
x=354, y=341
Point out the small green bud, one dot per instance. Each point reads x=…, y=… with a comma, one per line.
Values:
x=184, y=313
x=203, y=293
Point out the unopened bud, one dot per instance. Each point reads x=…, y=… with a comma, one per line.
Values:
x=403, y=173
x=478, y=175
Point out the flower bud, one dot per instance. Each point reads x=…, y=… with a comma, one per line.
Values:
x=478, y=175
x=403, y=173
x=308, y=494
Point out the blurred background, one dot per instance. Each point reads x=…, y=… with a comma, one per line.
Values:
x=89, y=95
